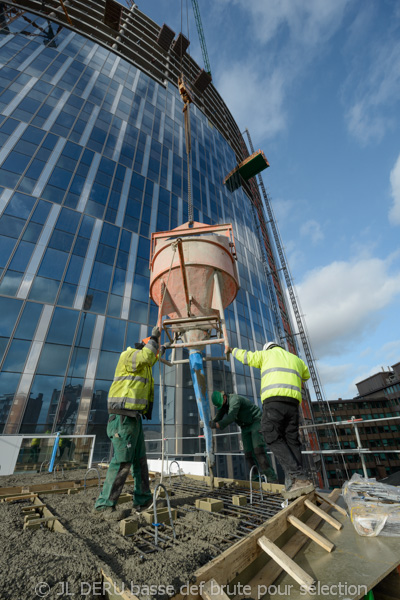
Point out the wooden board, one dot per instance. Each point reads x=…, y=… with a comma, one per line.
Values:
x=286, y=563
x=313, y=535
x=213, y=591
x=321, y=513
x=324, y=498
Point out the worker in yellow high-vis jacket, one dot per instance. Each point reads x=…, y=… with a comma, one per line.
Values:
x=282, y=377
x=130, y=397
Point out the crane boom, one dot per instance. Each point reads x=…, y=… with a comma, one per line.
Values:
x=200, y=31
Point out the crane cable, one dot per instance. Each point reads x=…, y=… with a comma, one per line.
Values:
x=186, y=112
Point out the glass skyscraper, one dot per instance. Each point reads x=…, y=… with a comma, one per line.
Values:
x=92, y=160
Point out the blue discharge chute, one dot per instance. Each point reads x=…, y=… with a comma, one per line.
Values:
x=200, y=388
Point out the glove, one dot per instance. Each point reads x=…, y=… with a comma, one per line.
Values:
x=148, y=414
x=228, y=352
x=155, y=332
x=212, y=424
x=162, y=351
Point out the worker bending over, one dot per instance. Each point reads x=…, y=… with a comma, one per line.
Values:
x=233, y=408
x=130, y=397
x=282, y=376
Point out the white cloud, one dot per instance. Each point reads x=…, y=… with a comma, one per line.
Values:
x=369, y=115
x=334, y=373
x=394, y=214
x=308, y=22
x=342, y=302
x=258, y=104
x=312, y=230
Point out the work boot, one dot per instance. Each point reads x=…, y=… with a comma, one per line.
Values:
x=103, y=510
x=143, y=507
x=300, y=487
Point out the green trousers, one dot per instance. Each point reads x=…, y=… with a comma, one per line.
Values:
x=255, y=450
x=126, y=435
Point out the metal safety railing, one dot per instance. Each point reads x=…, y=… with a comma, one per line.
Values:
x=354, y=422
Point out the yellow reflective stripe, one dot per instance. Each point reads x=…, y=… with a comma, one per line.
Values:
x=281, y=369
x=131, y=378
x=280, y=385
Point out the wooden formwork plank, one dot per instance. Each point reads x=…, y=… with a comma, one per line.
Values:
x=321, y=513
x=324, y=498
x=225, y=568
x=268, y=574
x=287, y=564
x=313, y=535
x=213, y=591
x=112, y=592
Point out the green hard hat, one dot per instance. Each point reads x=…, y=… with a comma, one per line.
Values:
x=218, y=399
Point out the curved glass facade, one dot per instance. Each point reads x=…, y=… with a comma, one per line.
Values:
x=92, y=160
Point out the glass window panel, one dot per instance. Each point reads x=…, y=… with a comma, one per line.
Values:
x=118, y=285
x=9, y=310
x=138, y=312
x=114, y=305
x=16, y=356
x=22, y=256
x=3, y=346
x=85, y=330
x=53, y=360
x=114, y=334
x=32, y=232
x=67, y=294
x=6, y=247
x=8, y=387
x=140, y=290
x=20, y=205
x=16, y=162
x=132, y=334
x=101, y=276
x=61, y=240
x=10, y=226
x=68, y=220
x=28, y=321
x=44, y=290
x=10, y=283
x=96, y=301
x=42, y=404
x=74, y=269
x=79, y=359
x=63, y=325
x=41, y=212
x=53, y=263
x=69, y=406
x=107, y=363
x=98, y=409
x=81, y=246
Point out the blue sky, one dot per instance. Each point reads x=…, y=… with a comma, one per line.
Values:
x=317, y=84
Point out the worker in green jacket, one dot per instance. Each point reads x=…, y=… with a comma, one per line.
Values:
x=130, y=397
x=282, y=377
x=233, y=408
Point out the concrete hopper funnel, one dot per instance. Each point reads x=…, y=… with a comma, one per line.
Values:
x=193, y=279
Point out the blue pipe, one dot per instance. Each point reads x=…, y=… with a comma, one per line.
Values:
x=203, y=406
x=54, y=453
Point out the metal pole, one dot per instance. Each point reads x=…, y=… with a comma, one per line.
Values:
x=359, y=446
x=54, y=453
x=200, y=388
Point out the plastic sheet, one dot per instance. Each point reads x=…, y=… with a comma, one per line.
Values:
x=374, y=506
